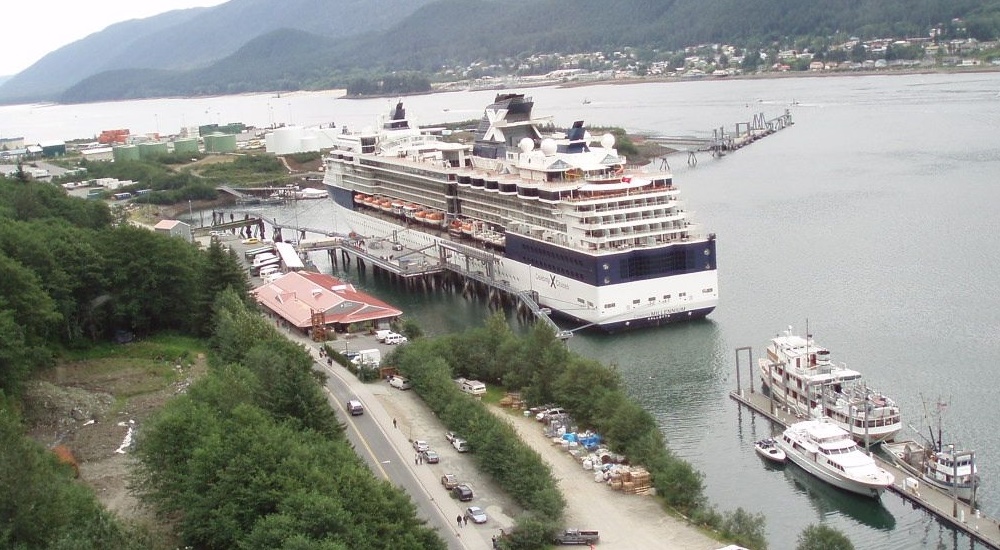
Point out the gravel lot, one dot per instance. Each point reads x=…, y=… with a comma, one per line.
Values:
x=624, y=521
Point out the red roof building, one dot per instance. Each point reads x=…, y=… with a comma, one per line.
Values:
x=298, y=295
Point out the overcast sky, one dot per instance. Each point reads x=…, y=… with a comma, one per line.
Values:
x=33, y=28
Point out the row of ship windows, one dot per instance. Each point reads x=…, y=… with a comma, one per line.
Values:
x=666, y=298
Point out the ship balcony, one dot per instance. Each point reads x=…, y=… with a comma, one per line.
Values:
x=619, y=220
x=627, y=207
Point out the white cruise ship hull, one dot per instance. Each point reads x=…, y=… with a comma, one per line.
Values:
x=633, y=305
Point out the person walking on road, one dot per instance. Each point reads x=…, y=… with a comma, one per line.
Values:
x=393, y=422
x=459, y=519
x=465, y=520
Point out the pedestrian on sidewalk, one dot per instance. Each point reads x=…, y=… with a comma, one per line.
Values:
x=459, y=520
x=393, y=422
x=465, y=520
x=416, y=459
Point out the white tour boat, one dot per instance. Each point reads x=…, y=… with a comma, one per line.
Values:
x=828, y=452
x=801, y=378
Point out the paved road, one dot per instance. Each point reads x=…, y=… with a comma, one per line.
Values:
x=389, y=454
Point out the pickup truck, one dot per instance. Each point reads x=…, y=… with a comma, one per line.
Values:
x=576, y=536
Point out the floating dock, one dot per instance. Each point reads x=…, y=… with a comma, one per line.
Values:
x=722, y=141
x=948, y=509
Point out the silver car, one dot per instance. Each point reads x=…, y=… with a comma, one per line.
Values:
x=476, y=514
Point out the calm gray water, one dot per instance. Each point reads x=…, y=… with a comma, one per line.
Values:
x=872, y=218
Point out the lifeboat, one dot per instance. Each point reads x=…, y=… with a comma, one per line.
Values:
x=421, y=215
x=385, y=205
x=434, y=218
x=455, y=228
x=409, y=210
x=359, y=197
x=467, y=228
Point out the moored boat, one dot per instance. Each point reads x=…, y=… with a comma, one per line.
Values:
x=830, y=454
x=769, y=450
x=945, y=466
x=562, y=215
x=800, y=376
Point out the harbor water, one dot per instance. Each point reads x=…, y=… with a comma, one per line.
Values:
x=873, y=219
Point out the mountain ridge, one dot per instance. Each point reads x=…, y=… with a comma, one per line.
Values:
x=258, y=45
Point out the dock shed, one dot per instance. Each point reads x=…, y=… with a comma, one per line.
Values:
x=174, y=228
x=300, y=298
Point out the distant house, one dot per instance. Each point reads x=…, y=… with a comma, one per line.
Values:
x=174, y=228
x=297, y=297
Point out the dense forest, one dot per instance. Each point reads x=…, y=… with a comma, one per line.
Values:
x=454, y=34
x=75, y=277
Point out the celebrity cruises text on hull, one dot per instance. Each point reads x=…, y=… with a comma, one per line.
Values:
x=560, y=216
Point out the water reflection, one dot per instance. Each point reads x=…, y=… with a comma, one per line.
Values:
x=829, y=500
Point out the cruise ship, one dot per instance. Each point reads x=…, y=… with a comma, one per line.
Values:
x=800, y=376
x=561, y=216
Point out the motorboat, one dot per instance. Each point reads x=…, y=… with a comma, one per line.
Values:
x=800, y=376
x=945, y=466
x=829, y=453
x=769, y=450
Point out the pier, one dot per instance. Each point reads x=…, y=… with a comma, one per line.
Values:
x=948, y=509
x=722, y=141
x=449, y=264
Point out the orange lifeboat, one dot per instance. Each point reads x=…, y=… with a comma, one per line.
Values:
x=359, y=197
x=421, y=215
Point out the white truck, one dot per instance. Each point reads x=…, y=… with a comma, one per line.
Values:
x=368, y=357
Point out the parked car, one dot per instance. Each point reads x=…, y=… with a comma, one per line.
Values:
x=450, y=481
x=549, y=412
x=395, y=339
x=450, y=436
x=430, y=456
x=461, y=445
x=462, y=492
x=251, y=240
x=476, y=514
x=400, y=383
x=420, y=445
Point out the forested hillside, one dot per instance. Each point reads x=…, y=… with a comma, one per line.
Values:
x=456, y=33
x=250, y=455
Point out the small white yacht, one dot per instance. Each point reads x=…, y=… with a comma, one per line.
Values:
x=829, y=453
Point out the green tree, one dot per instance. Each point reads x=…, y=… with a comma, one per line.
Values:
x=823, y=537
x=745, y=528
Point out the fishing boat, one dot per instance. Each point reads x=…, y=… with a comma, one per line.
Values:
x=800, y=376
x=945, y=466
x=769, y=450
x=828, y=452
x=565, y=218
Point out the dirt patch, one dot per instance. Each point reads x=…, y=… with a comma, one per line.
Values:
x=95, y=407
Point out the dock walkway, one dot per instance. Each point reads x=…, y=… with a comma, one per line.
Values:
x=951, y=511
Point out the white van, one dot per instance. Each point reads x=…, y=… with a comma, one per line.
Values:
x=473, y=387
x=396, y=339
x=400, y=383
x=267, y=270
x=381, y=334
